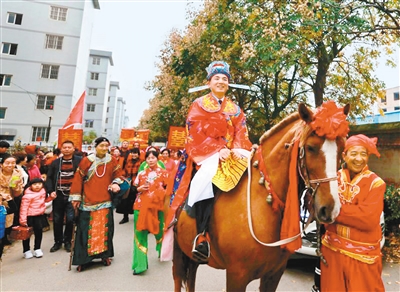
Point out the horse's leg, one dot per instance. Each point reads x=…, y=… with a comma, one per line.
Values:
x=183, y=270
x=236, y=282
x=179, y=267
x=270, y=282
x=191, y=275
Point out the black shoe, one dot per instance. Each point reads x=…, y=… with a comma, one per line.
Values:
x=201, y=252
x=106, y=261
x=55, y=247
x=124, y=220
x=6, y=241
x=67, y=246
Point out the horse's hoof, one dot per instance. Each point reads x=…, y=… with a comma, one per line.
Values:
x=106, y=261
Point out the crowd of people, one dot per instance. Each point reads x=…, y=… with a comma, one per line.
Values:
x=85, y=187
x=82, y=187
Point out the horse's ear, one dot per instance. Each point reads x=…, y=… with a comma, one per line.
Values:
x=346, y=109
x=305, y=113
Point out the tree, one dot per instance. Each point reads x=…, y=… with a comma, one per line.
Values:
x=289, y=51
x=88, y=137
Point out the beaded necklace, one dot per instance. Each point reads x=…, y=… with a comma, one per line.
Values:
x=95, y=168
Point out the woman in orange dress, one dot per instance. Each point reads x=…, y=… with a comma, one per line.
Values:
x=148, y=216
x=169, y=162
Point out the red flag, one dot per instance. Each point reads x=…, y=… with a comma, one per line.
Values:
x=76, y=115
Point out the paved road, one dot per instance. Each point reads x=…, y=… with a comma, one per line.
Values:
x=50, y=273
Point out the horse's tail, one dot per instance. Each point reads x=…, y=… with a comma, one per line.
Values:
x=183, y=269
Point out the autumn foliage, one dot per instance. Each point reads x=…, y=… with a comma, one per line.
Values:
x=288, y=51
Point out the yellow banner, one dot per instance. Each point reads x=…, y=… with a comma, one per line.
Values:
x=176, y=138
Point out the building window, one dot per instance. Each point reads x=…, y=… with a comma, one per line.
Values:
x=106, y=120
x=383, y=99
x=396, y=108
x=54, y=42
x=49, y=71
x=3, y=113
x=88, y=123
x=9, y=49
x=45, y=102
x=96, y=61
x=40, y=133
x=384, y=110
x=395, y=96
x=58, y=13
x=14, y=18
x=5, y=80
x=94, y=76
x=108, y=109
x=109, y=98
x=90, y=107
x=93, y=91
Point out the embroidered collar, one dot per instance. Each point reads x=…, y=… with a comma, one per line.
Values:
x=210, y=104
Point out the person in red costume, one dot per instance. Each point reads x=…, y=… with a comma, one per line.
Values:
x=216, y=132
x=351, y=245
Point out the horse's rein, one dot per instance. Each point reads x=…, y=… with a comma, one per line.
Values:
x=273, y=244
x=307, y=181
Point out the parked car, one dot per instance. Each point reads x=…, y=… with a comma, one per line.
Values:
x=309, y=239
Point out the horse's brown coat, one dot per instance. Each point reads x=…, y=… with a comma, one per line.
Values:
x=232, y=246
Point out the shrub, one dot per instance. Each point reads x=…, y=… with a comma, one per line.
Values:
x=392, y=206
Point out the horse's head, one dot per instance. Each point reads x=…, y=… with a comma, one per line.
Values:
x=321, y=146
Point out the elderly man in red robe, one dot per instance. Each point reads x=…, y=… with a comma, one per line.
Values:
x=351, y=245
x=217, y=133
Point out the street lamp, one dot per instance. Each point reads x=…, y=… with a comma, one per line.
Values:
x=48, y=130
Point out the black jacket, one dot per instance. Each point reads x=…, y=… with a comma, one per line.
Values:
x=54, y=171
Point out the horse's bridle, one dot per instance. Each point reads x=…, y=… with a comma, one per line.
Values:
x=301, y=164
x=304, y=175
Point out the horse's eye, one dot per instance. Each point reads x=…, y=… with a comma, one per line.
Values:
x=311, y=149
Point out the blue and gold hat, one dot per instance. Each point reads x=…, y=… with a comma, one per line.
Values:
x=218, y=67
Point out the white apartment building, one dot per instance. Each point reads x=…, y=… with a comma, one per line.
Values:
x=44, y=62
x=391, y=102
x=121, y=120
x=115, y=114
x=97, y=92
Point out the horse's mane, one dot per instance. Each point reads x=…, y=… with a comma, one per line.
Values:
x=282, y=124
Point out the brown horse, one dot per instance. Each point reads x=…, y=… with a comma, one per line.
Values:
x=237, y=242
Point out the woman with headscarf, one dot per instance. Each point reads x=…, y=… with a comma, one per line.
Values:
x=351, y=245
x=97, y=177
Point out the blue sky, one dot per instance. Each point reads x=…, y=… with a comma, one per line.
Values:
x=134, y=31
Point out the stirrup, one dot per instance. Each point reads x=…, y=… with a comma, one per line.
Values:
x=199, y=256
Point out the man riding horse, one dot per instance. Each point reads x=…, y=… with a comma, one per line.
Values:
x=217, y=140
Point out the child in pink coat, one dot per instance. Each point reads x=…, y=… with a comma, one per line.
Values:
x=32, y=214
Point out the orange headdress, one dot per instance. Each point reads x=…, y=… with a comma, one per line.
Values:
x=330, y=121
x=362, y=140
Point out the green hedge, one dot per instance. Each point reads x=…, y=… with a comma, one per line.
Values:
x=392, y=207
